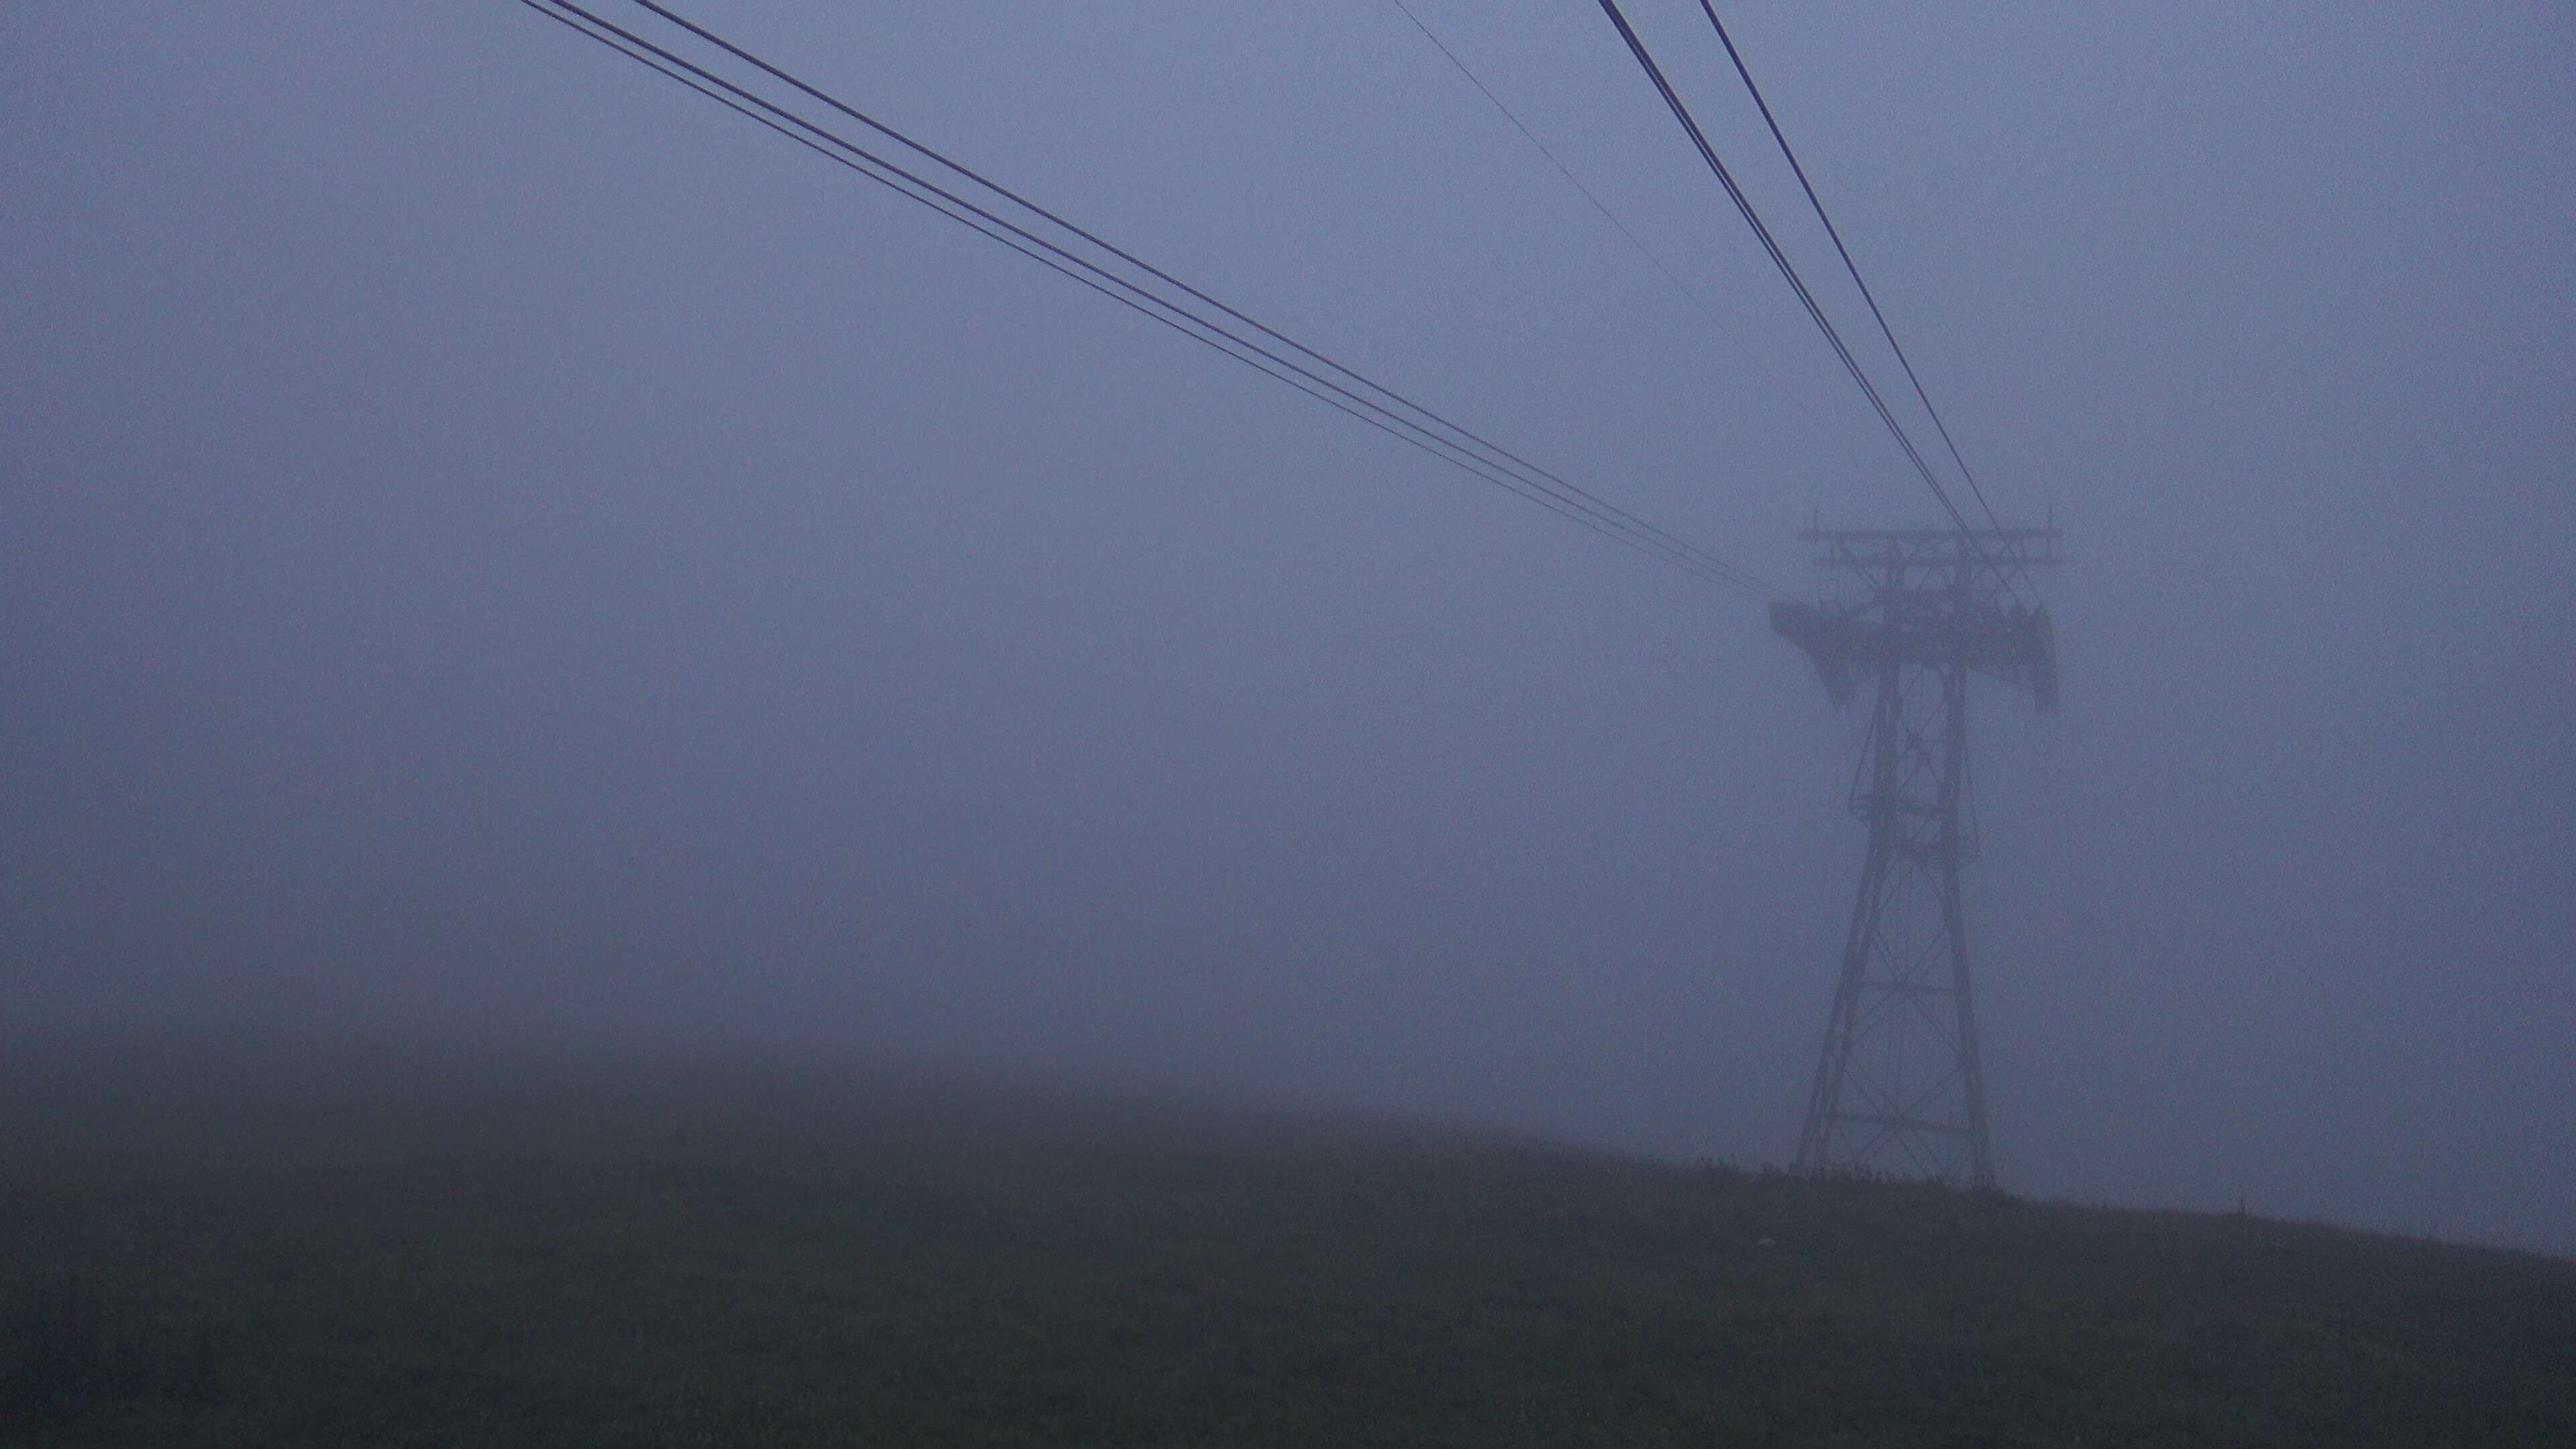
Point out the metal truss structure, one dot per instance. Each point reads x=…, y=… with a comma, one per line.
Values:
x=1900, y=1089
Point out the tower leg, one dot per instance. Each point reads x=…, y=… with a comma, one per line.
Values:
x=1954, y=924
x=1815, y=1135
x=1899, y=1088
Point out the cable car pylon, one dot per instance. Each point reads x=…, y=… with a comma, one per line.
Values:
x=1900, y=1088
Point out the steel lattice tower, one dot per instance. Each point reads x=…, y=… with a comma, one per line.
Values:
x=1900, y=1088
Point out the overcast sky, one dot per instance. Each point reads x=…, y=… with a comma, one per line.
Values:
x=490, y=543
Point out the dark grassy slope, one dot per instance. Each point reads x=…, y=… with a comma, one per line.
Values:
x=565, y=1267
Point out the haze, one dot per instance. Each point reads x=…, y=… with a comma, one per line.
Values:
x=495, y=548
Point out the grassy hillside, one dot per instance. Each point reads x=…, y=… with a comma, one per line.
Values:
x=582, y=1263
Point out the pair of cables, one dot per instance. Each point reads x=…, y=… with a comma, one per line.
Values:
x=1797, y=284
x=689, y=54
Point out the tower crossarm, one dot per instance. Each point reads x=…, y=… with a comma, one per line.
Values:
x=1929, y=597
x=1936, y=559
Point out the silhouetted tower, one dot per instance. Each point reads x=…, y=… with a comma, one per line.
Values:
x=1900, y=1088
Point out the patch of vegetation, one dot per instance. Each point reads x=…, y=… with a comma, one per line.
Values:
x=569, y=1269
x=70, y=1358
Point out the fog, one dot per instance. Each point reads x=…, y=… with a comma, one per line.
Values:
x=494, y=547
